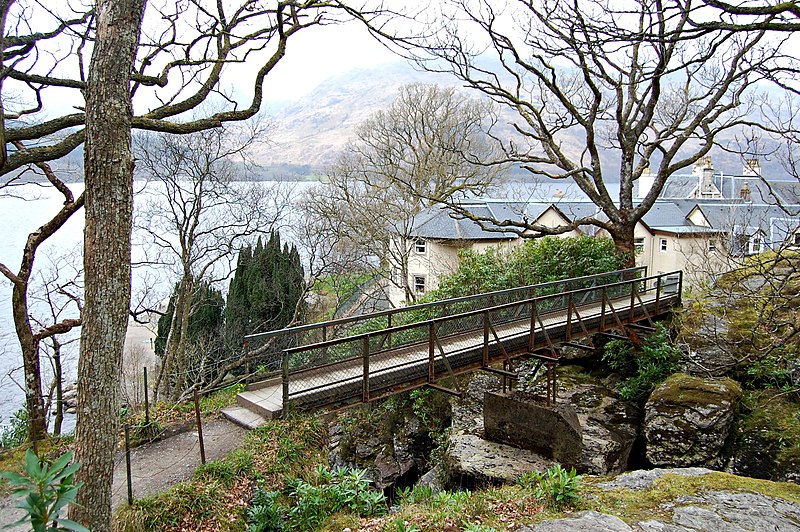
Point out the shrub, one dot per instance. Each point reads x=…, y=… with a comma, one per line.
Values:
x=557, y=486
x=17, y=432
x=645, y=370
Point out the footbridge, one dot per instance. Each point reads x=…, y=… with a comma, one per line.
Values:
x=364, y=358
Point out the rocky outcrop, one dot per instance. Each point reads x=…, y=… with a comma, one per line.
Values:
x=734, y=511
x=687, y=420
x=472, y=461
x=392, y=451
x=765, y=440
x=719, y=510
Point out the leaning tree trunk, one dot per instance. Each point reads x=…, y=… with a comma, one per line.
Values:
x=108, y=166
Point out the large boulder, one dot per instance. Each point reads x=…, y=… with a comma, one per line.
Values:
x=526, y=422
x=688, y=419
x=609, y=425
x=471, y=461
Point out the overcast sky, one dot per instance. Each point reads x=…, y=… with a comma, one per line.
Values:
x=319, y=53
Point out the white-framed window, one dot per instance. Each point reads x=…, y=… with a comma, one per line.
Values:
x=755, y=244
x=796, y=239
x=420, y=246
x=419, y=284
x=663, y=244
x=712, y=245
x=638, y=244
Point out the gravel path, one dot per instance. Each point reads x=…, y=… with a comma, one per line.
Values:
x=157, y=466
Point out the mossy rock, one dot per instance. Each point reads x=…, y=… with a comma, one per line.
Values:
x=767, y=438
x=688, y=419
x=681, y=389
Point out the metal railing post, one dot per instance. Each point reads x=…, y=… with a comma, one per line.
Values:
x=285, y=381
x=389, y=334
x=532, y=338
x=680, y=288
x=486, y=339
x=658, y=295
x=365, y=354
x=633, y=300
x=569, y=317
x=431, y=349
x=603, y=309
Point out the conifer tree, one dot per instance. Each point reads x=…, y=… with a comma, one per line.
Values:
x=265, y=291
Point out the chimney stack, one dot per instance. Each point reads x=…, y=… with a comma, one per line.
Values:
x=752, y=167
x=704, y=171
x=744, y=192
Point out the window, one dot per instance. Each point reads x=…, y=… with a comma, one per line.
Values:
x=419, y=284
x=420, y=247
x=663, y=244
x=797, y=239
x=638, y=244
x=712, y=246
x=755, y=245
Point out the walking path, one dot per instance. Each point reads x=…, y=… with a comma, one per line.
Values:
x=157, y=466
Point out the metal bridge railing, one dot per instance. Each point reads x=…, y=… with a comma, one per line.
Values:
x=370, y=364
x=267, y=347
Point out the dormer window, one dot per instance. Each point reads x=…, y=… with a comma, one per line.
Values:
x=420, y=246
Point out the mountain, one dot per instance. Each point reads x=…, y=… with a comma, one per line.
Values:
x=313, y=129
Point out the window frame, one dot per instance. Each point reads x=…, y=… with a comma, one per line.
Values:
x=663, y=245
x=419, y=288
x=420, y=246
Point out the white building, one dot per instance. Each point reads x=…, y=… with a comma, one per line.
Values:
x=700, y=223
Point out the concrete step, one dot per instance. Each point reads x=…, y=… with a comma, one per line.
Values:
x=243, y=417
x=266, y=402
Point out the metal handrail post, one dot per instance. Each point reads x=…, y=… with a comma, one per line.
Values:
x=486, y=339
x=431, y=348
x=603, y=310
x=569, y=317
x=658, y=295
x=285, y=381
x=365, y=354
x=633, y=301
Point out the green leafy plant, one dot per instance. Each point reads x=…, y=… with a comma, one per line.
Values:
x=558, y=486
x=46, y=489
x=404, y=526
x=643, y=371
x=416, y=495
x=479, y=528
x=335, y=490
x=265, y=514
x=17, y=432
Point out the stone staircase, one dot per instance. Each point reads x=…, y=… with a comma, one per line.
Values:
x=258, y=403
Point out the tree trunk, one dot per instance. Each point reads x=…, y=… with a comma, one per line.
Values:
x=624, y=242
x=34, y=401
x=59, y=385
x=108, y=167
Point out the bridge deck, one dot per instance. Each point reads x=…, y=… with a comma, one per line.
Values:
x=371, y=368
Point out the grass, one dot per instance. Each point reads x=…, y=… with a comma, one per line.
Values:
x=13, y=459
